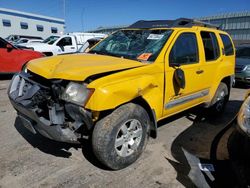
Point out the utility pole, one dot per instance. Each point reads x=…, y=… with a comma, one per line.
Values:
x=64, y=13
x=64, y=9
x=82, y=18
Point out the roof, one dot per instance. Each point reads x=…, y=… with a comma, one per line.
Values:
x=31, y=16
x=181, y=22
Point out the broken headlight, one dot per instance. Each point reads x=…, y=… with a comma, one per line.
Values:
x=244, y=116
x=76, y=93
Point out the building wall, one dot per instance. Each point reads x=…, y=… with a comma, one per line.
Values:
x=236, y=24
x=32, y=21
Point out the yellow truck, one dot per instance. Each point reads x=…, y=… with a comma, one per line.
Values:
x=117, y=92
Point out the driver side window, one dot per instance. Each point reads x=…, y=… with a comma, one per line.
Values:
x=185, y=50
x=66, y=41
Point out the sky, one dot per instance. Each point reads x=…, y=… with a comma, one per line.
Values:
x=84, y=15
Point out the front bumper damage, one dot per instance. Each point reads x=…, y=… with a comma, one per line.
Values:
x=40, y=109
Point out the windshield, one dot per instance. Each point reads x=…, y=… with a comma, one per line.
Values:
x=51, y=40
x=141, y=45
x=243, y=52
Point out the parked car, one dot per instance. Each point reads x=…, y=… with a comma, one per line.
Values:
x=242, y=67
x=23, y=41
x=12, y=59
x=14, y=38
x=65, y=44
x=116, y=93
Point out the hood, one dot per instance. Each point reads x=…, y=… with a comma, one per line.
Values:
x=242, y=61
x=78, y=67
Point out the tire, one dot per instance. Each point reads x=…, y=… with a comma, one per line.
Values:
x=119, y=139
x=220, y=99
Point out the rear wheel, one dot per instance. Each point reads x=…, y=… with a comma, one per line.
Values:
x=119, y=138
x=220, y=99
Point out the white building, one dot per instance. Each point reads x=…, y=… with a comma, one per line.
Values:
x=21, y=23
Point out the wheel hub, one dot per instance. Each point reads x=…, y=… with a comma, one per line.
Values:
x=128, y=137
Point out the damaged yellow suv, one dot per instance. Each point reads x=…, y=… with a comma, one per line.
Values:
x=116, y=93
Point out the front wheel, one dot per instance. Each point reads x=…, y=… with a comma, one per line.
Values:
x=119, y=138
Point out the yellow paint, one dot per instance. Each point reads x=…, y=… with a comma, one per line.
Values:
x=153, y=82
x=79, y=66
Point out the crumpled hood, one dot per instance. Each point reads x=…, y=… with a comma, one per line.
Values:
x=78, y=66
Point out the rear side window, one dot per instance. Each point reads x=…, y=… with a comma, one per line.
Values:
x=211, y=46
x=228, y=46
x=185, y=50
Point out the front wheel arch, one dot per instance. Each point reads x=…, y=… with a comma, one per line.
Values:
x=151, y=112
x=144, y=104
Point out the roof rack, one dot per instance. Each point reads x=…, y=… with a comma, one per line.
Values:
x=181, y=22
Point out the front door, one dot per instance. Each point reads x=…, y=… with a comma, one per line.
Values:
x=66, y=45
x=184, y=55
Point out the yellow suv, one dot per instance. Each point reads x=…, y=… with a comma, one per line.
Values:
x=116, y=93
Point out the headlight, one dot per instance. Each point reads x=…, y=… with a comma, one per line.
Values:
x=76, y=93
x=244, y=116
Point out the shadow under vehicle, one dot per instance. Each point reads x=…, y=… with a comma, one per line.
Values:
x=214, y=151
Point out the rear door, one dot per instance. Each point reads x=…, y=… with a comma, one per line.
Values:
x=210, y=56
x=185, y=52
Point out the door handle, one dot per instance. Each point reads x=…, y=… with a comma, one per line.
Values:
x=72, y=48
x=199, y=71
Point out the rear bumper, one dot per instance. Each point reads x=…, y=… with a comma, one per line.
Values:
x=53, y=126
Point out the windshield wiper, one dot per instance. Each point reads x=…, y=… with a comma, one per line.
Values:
x=104, y=53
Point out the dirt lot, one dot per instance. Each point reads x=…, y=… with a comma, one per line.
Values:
x=184, y=141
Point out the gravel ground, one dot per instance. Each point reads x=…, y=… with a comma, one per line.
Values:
x=171, y=160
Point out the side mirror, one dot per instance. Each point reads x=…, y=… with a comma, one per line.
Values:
x=9, y=47
x=179, y=77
